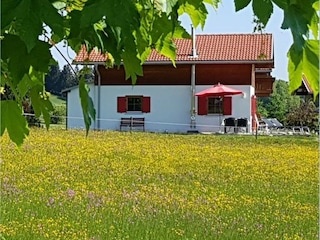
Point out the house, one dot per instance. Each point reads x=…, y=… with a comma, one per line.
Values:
x=165, y=96
x=305, y=89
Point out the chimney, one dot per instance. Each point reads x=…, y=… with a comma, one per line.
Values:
x=194, y=49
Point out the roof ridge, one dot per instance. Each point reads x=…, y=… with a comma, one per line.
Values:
x=232, y=34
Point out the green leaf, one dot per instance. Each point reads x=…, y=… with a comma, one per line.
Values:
x=311, y=64
x=214, y=3
x=240, y=4
x=298, y=17
x=170, y=5
x=18, y=59
x=263, y=10
x=121, y=14
x=294, y=68
x=196, y=10
x=59, y=5
x=180, y=32
x=92, y=13
x=40, y=56
x=9, y=9
x=132, y=66
x=316, y=5
x=291, y=20
x=24, y=85
x=162, y=32
x=314, y=26
x=39, y=97
x=28, y=24
x=304, y=61
x=88, y=110
x=51, y=17
x=283, y=4
x=13, y=120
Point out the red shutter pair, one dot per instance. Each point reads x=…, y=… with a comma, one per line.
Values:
x=122, y=104
x=203, y=105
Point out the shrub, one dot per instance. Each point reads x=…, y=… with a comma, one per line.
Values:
x=305, y=115
x=58, y=114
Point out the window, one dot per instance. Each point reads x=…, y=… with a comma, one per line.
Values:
x=133, y=104
x=214, y=105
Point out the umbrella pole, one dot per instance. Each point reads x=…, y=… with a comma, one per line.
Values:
x=220, y=113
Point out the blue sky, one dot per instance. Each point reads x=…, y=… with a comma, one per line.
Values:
x=226, y=20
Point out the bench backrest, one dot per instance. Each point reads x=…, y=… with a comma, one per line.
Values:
x=132, y=121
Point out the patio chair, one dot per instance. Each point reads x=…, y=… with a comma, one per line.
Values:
x=229, y=123
x=241, y=124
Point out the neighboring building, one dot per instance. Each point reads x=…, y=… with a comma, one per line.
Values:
x=164, y=96
x=305, y=88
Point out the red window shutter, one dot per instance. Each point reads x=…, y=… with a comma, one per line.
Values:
x=202, y=105
x=122, y=104
x=227, y=106
x=146, y=104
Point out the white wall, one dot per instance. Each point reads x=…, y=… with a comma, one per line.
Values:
x=170, y=108
x=74, y=110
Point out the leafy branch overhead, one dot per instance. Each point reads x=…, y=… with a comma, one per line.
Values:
x=127, y=30
x=301, y=17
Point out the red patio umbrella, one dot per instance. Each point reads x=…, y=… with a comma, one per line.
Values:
x=218, y=90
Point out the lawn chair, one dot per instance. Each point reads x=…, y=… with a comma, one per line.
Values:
x=241, y=124
x=273, y=124
x=230, y=123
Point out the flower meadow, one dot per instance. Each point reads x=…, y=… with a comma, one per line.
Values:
x=121, y=185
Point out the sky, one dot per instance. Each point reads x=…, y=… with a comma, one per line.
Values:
x=226, y=20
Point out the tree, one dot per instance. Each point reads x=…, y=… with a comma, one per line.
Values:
x=52, y=80
x=68, y=78
x=127, y=30
x=281, y=101
x=56, y=80
x=304, y=115
x=261, y=109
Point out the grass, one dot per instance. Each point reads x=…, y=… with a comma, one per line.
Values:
x=120, y=185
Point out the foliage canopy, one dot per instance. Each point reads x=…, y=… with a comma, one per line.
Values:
x=128, y=30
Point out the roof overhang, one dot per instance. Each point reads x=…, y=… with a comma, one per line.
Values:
x=191, y=62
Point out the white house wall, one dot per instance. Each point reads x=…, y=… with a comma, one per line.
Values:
x=170, y=108
x=74, y=110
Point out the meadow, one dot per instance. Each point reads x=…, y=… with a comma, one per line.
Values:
x=121, y=185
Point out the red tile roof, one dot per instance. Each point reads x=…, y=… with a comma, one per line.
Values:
x=213, y=47
x=94, y=56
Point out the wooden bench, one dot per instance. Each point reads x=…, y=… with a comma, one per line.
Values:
x=131, y=123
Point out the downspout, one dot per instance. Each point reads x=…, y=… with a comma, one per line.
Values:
x=193, y=100
x=253, y=121
x=67, y=103
x=193, y=81
x=98, y=96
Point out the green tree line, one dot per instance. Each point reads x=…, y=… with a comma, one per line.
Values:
x=57, y=80
x=289, y=109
